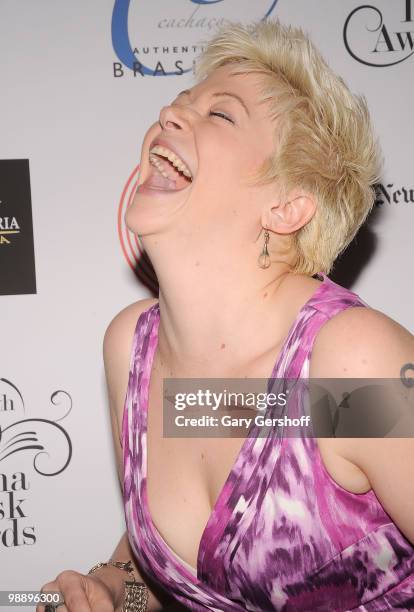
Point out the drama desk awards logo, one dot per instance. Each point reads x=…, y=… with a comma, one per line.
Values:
x=17, y=264
x=163, y=38
x=28, y=446
x=381, y=38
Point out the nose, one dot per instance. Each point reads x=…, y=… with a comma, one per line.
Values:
x=175, y=117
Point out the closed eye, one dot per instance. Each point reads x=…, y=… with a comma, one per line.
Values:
x=222, y=115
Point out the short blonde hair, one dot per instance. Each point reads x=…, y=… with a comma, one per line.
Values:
x=325, y=141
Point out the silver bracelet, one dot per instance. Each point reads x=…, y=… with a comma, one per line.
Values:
x=136, y=593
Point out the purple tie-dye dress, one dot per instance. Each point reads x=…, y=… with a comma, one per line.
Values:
x=283, y=535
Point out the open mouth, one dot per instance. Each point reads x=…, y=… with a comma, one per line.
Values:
x=168, y=171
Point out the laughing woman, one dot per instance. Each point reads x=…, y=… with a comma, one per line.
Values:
x=252, y=182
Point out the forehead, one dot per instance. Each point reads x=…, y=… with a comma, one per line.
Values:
x=227, y=78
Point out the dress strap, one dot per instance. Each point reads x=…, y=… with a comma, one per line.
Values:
x=140, y=346
x=142, y=333
x=330, y=301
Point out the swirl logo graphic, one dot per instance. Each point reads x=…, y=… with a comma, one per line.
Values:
x=165, y=40
x=375, y=40
x=33, y=434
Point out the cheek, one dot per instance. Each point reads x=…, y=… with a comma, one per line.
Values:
x=223, y=160
x=237, y=170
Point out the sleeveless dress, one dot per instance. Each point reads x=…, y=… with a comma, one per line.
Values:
x=283, y=535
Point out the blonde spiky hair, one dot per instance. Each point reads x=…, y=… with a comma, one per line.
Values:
x=324, y=141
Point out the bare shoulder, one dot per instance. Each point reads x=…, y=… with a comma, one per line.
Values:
x=361, y=342
x=118, y=336
x=117, y=346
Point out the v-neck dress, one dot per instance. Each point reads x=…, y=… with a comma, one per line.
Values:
x=283, y=535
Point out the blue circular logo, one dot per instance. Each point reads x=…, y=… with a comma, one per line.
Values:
x=193, y=16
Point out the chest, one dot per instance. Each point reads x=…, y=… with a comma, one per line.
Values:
x=186, y=477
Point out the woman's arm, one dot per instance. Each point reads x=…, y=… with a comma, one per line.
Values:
x=364, y=343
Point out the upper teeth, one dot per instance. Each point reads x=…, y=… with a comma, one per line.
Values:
x=172, y=157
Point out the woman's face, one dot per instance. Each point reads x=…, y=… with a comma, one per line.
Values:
x=219, y=135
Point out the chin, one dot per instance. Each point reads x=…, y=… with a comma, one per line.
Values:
x=141, y=221
x=148, y=216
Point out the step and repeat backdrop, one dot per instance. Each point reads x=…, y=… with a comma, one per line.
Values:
x=80, y=83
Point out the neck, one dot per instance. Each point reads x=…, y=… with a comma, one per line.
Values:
x=210, y=312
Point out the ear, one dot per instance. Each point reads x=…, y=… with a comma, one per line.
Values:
x=289, y=216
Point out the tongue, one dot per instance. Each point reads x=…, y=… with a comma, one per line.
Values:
x=158, y=181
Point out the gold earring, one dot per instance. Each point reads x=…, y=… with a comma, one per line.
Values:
x=264, y=257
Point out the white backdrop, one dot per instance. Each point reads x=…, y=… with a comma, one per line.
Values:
x=81, y=128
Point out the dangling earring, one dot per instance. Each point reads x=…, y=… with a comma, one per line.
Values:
x=264, y=257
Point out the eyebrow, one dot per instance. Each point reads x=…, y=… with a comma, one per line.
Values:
x=235, y=96
x=186, y=92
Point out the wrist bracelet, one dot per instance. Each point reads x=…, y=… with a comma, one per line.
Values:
x=136, y=593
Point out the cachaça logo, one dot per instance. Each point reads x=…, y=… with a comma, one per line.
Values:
x=165, y=38
x=377, y=40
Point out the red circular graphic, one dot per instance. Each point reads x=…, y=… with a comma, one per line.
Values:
x=131, y=244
